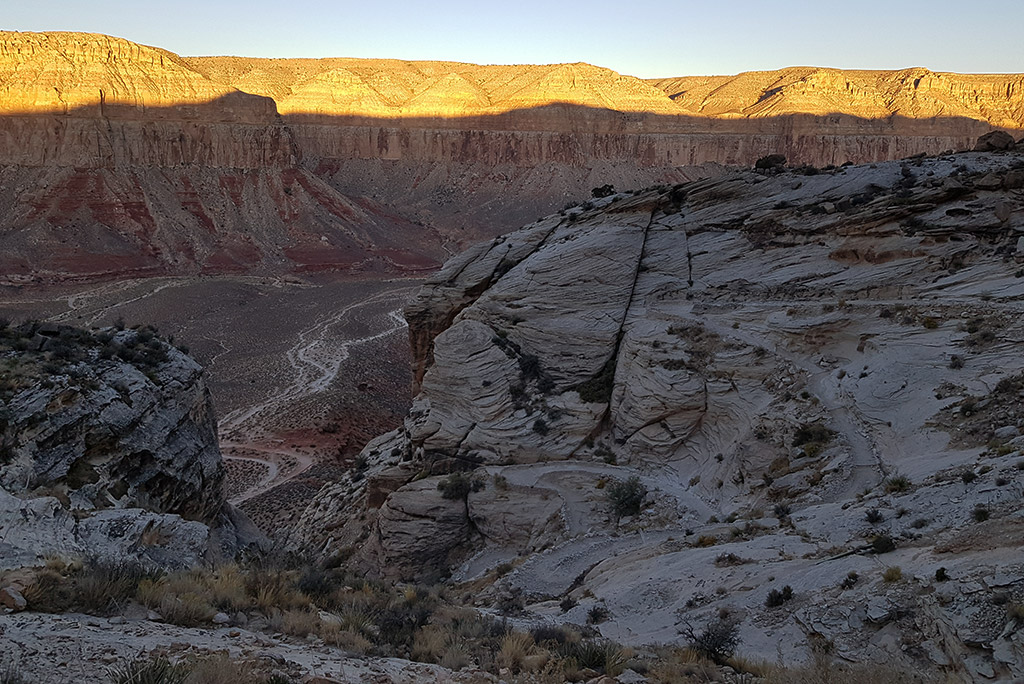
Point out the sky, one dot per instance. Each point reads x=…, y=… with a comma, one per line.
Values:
x=646, y=38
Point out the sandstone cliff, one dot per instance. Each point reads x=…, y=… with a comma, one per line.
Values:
x=180, y=165
x=666, y=403
x=108, y=447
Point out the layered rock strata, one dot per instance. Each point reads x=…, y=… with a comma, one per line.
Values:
x=108, y=447
x=167, y=164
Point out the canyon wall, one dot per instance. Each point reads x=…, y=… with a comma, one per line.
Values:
x=187, y=165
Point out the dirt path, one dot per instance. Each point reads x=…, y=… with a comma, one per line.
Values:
x=276, y=475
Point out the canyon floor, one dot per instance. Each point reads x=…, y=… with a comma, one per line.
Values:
x=302, y=371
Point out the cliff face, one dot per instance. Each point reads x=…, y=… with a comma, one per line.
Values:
x=108, y=419
x=182, y=165
x=725, y=383
x=108, y=448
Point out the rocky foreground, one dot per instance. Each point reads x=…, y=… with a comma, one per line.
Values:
x=108, y=449
x=785, y=398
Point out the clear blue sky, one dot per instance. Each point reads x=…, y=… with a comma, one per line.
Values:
x=640, y=37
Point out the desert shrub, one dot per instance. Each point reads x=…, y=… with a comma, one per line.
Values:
x=102, y=586
x=626, y=496
x=770, y=161
x=896, y=484
x=597, y=614
x=567, y=604
x=458, y=486
x=941, y=575
x=598, y=389
x=893, y=573
x=776, y=598
x=981, y=513
x=813, y=438
x=781, y=510
x=551, y=635
x=850, y=580
x=874, y=516
x=717, y=641
x=968, y=476
x=883, y=543
x=155, y=670
x=600, y=655
x=956, y=362
x=540, y=426
x=316, y=583
x=603, y=191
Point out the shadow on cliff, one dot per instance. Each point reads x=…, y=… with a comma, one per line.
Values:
x=233, y=186
x=560, y=132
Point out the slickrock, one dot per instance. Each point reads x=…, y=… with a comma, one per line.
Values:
x=812, y=376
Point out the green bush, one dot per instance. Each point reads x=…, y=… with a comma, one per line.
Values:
x=627, y=496
x=717, y=641
x=776, y=598
x=458, y=486
x=883, y=543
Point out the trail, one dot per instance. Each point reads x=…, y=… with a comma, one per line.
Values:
x=316, y=360
x=79, y=302
x=275, y=476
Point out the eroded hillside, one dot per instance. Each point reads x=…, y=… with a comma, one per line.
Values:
x=786, y=397
x=120, y=158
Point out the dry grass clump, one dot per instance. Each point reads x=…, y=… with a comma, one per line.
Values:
x=158, y=669
x=351, y=613
x=300, y=623
x=95, y=587
x=893, y=573
x=515, y=646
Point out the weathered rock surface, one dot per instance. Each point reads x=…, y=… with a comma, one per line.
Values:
x=105, y=432
x=796, y=368
x=153, y=163
x=55, y=649
x=108, y=448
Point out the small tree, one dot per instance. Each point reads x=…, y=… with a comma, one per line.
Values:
x=717, y=641
x=627, y=496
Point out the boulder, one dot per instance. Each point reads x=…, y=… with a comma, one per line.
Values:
x=994, y=141
x=417, y=528
x=12, y=599
x=1014, y=179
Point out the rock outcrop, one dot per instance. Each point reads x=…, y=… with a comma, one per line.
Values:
x=108, y=447
x=668, y=402
x=117, y=157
